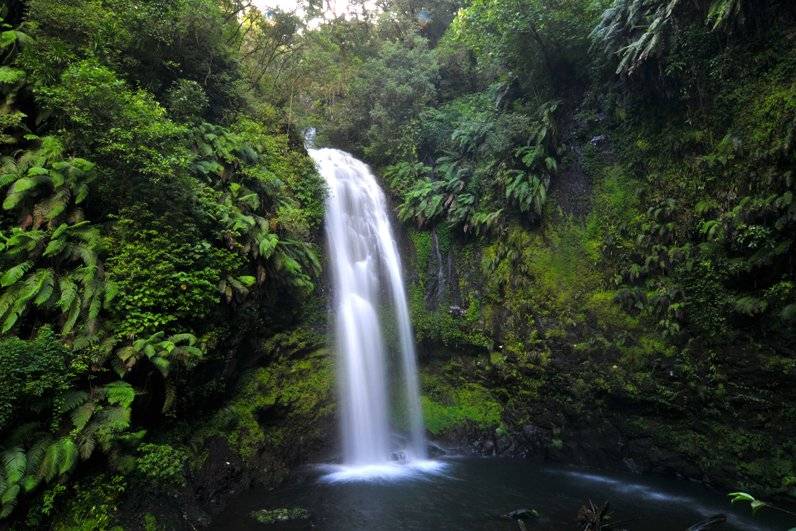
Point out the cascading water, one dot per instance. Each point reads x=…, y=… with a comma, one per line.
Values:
x=363, y=251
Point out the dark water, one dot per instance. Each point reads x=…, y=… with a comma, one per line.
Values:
x=471, y=493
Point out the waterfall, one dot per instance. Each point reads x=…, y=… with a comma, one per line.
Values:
x=366, y=267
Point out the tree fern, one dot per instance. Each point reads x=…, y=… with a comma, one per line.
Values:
x=59, y=458
x=635, y=30
x=8, y=499
x=14, y=463
x=45, y=287
x=56, y=269
x=43, y=186
x=725, y=14
x=119, y=393
x=33, y=454
x=12, y=275
x=161, y=351
x=82, y=414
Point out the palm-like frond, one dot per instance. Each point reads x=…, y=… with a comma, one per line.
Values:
x=42, y=186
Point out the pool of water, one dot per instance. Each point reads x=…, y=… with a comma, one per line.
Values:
x=471, y=494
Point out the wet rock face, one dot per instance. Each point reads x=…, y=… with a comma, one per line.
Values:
x=442, y=283
x=535, y=436
x=595, y=442
x=221, y=475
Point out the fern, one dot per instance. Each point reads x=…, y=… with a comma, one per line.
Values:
x=59, y=458
x=635, y=31
x=56, y=269
x=74, y=399
x=82, y=414
x=750, y=305
x=43, y=187
x=724, y=14
x=161, y=351
x=12, y=276
x=14, y=463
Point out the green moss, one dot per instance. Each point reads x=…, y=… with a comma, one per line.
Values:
x=161, y=466
x=615, y=204
x=273, y=516
x=272, y=405
x=421, y=241
x=91, y=504
x=444, y=237
x=447, y=408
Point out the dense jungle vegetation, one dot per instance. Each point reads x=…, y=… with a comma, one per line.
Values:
x=597, y=201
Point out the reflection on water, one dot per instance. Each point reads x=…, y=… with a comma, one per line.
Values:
x=472, y=493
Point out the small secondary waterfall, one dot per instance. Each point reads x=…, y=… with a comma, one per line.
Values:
x=364, y=255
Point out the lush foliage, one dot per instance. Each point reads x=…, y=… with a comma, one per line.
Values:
x=601, y=203
x=154, y=209
x=598, y=197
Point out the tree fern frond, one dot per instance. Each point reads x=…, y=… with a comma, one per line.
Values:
x=12, y=276
x=35, y=455
x=86, y=447
x=69, y=455
x=14, y=463
x=114, y=419
x=119, y=393
x=68, y=296
x=82, y=414
x=73, y=399
x=71, y=318
x=190, y=339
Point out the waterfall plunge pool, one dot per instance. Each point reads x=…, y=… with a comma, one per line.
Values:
x=390, y=471
x=471, y=493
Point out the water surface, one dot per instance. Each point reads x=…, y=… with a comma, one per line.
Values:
x=472, y=493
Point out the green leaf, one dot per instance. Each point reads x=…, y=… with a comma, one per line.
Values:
x=14, y=464
x=35, y=171
x=247, y=280
x=757, y=505
x=73, y=399
x=740, y=496
x=9, y=496
x=267, y=244
x=51, y=462
x=183, y=338
x=20, y=185
x=29, y=483
x=11, y=276
x=46, y=287
x=162, y=365
x=82, y=193
x=81, y=415
x=119, y=393
x=71, y=319
x=68, y=455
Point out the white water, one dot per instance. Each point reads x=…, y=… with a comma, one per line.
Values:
x=366, y=272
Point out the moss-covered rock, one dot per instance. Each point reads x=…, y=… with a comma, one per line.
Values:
x=282, y=408
x=448, y=409
x=274, y=516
